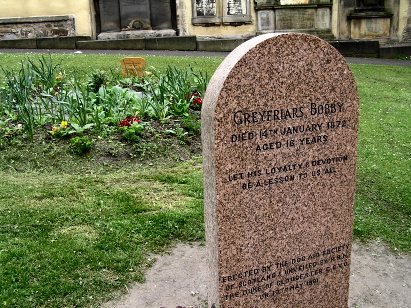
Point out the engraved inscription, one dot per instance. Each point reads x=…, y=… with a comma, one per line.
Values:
x=288, y=136
x=285, y=276
x=272, y=138
x=294, y=171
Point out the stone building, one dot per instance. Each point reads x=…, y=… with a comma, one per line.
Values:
x=385, y=20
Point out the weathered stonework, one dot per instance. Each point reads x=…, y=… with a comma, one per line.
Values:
x=265, y=19
x=292, y=16
x=134, y=34
x=370, y=25
x=279, y=133
x=33, y=27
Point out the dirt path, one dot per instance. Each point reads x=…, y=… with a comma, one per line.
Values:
x=379, y=279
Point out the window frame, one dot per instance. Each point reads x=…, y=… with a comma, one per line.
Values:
x=221, y=16
x=236, y=18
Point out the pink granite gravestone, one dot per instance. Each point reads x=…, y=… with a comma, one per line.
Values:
x=279, y=133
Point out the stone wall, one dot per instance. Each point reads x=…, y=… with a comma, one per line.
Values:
x=406, y=34
x=295, y=15
x=387, y=25
x=33, y=27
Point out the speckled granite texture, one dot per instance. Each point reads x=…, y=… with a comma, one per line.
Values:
x=279, y=133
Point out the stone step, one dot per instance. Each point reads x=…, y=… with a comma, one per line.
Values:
x=323, y=34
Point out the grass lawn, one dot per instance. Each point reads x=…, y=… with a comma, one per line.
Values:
x=75, y=231
x=383, y=199
x=83, y=64
x=71, y=240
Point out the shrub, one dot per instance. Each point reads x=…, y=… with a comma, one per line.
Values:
x=80, y=145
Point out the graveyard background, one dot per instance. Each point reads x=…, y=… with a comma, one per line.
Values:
x=78, y=229
x=361, y=27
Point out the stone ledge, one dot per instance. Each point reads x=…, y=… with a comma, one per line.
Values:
x=366, y=15
x=367, y=49
x=219, y=45
x=351, y=48
x=324, y=34
x=43, y=43
x=69, y=42
x=295, y=6
x=19, y=44
x=126, y=44
x=395, y=52
x=34, y=19
x=136, y=34
x=172, y=43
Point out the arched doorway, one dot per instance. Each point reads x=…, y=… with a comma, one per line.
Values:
x=116, y=15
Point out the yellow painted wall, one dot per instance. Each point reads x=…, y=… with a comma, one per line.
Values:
x=82, y=10
x=184, y=12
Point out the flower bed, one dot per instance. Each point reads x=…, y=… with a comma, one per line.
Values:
x=40, y=95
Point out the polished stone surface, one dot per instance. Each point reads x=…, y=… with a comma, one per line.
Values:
x=279, y=133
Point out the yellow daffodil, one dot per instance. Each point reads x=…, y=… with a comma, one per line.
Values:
x=54, y=130
x=63, y=124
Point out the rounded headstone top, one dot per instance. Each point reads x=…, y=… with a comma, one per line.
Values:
x=281, y=62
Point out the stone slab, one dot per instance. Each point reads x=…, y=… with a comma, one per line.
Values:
x=356, y=48
x=128, y=44
x=161, y=14
x=35, y=19
x=57, y=42
x=279, y=133
x=172, y=43
x=19, y=44
x=219, y=44
x=395, y=52
x=265, y=20
x=295, y=18
x=109, y=15
x=134, y=9
x=370, y=28
x=134, y=34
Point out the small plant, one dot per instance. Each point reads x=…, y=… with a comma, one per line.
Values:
x=179, y=132
x=79, y=101
x=115, y=102
x=192, y=124
x=79, y=130
x=8, y=131
x=131, y=128
x=65, y=129
x=80, y=145
x=96, y=80
x=128, y=121
x=45, y=72
x=168, y=93
x=60, y=131
x=201, y=80
x=196, y=100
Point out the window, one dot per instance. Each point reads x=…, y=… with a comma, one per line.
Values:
x=221, y=11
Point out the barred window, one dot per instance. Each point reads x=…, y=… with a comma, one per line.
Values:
x=221, y=11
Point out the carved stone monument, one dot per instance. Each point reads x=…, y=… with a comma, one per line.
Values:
x=116, y=15
x=109, y=15
x=279, y=133
x=132, y=10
